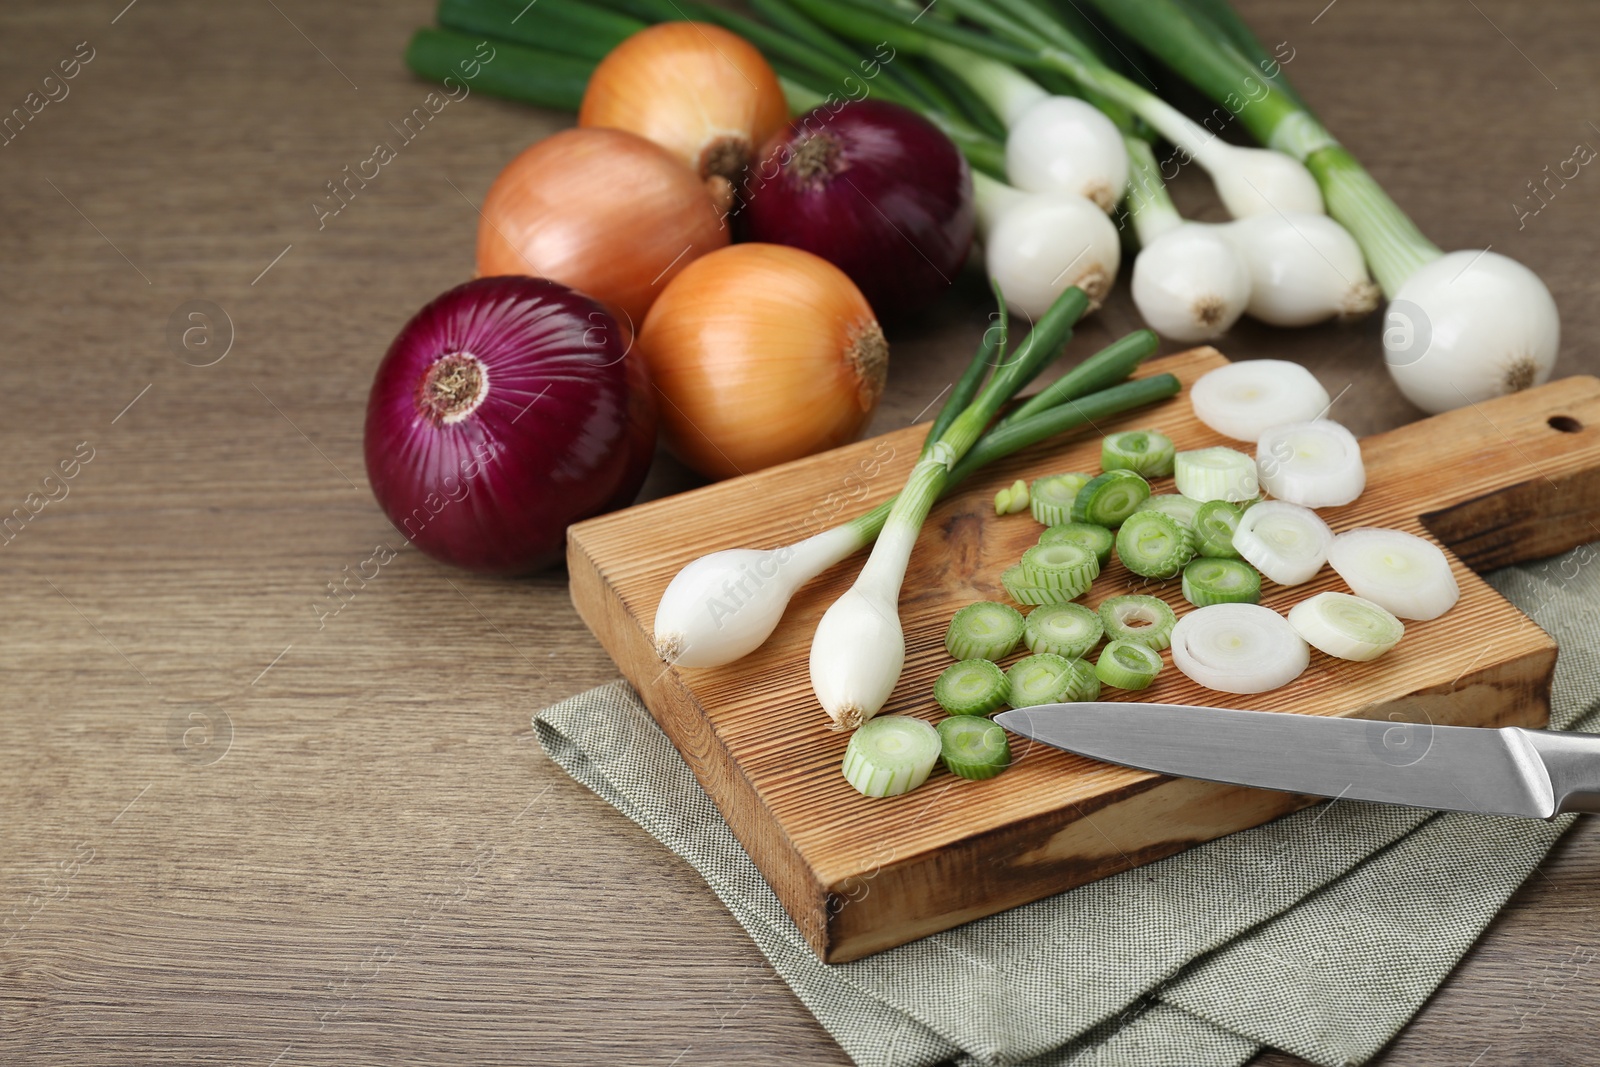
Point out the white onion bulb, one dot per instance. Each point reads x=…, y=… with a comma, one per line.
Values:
x=1286, y=542
x=1317, y=464
x=1468, y=327
x=1399, y=572
x=857, y=653
x=1190, y=283
x=1246, y=399
x=1304, y=269
x=1346, y=627
x=1238, y=648
x=1259, y=181
x=1036, y=245
x=1065, y=145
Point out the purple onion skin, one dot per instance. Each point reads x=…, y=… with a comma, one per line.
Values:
x=565, y=428
x=875, y=189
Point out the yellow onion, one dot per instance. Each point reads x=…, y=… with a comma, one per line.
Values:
x=704, y=94
x=603, y=211
x=762, y=354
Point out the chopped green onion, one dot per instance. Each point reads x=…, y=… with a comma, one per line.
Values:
x=1068, y=630
x=1051, y=497
x=1012, y=499
x=1126, y=665
x=1110, y=498
x=1082, y=682
x=890, y=755
x=1024, y=591
x=1180, y=508
x=984, y=630
x=1144, y=452
x=1064, y=566
x=1345, y=626
x=1144, y=620
x=973, y=748
x=1221, y=581
x=1214, y=525
x=1038, y=679
x=1216, y=474
x=1154, y=545
x=1096, y=539
x=971, y=687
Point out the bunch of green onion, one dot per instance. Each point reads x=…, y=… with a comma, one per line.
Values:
x=1058, y=135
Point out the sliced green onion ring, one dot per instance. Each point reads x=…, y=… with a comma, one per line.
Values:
x=1220, y=581
x=1179, y=507
x=1238, y=648
x=1154, y=545
x=1082, y=682
x=973, y=748
x=1144, y=620
x=1145, y=452
x=890, y=755
x=1050, y=497
x=1213, y=527
x=1068, y=630
x=1024, y=591
x=1096, y=539
x=1042, y=678
x=1285, y=542
x=1012, y=499
x=984, y=630
x=1108, y=499
x=1061, y=566
x=1346, y=627
x=971, y=687
x=1216, y=474
x=1126, y=665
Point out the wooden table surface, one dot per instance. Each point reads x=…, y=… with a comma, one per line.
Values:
x=238, y=828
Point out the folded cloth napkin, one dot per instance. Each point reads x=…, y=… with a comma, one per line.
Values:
x=1321, y=933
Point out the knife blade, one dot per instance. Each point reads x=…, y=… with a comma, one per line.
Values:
x=1535, y=774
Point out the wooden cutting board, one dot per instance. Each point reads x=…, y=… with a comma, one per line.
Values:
x=1512, y=479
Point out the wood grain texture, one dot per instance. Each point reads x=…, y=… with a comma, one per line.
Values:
x=860, y=875
x=301, y=899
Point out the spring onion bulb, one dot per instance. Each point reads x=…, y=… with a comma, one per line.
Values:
x=984, y=630
x=891, y=756
x=1215, y=474
x=1066, y=630
x=1467, y=327
x=1144, y=452
x=1144, y=620
x=1303, y=269
x=1316, y=464
x=1064, y=145
x=1246, y=399
x=971, y=687
x=1096, y=539
x=1238, y=648
x=1345, y=626
x=1400, y=572
x=973, y=748
x=1286, y=542
x=1125, y=665
x=1037, y=245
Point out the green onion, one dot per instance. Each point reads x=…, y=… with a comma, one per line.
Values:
x=985, y=630
x=1024, y=591
x=1051, y=497
x=1102, y=370
x=1179, y=508
x=1012, y=499
x=1038, y=679
x=1082, y=682
x=1216, y=474
x=1096, y=539
x=1213, y=527
x=583, y=30
x=1221, y=581
x=1126, y=665
x=1109, y=498
x=1154, y=545
x=1144, y=452
x=542, y=79
x=890, y=755
x=973, y=748
x=1067, y=630
x=1065, y=566
x=1144, y=620
x=971, y=687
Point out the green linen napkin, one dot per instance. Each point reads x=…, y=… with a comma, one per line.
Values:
x=1321, y=933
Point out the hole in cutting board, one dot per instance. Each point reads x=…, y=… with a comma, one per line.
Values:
x=1564, y=423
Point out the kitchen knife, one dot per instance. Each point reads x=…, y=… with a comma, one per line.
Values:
x=1510, y=771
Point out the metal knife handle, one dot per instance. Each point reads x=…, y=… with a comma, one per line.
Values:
x=1572, y=762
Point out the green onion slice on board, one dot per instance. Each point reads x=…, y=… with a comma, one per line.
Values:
x=971, y=687
x=973, y=748
x=984, y=630
x=890, y=755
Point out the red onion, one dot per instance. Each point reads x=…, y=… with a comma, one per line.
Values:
x=875, y=189
x=506, y=409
